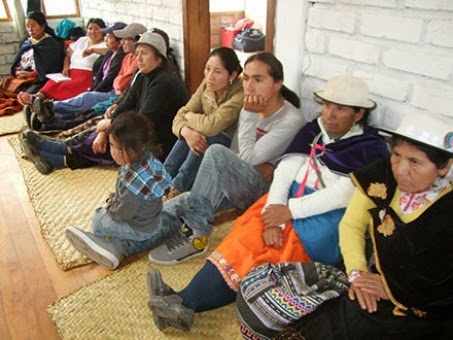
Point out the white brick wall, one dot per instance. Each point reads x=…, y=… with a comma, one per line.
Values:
x=9, y=43
x=391, y=27
x=163, y=14
x=402, y=48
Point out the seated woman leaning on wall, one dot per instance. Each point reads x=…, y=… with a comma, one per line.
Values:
x=405, y=291
x=77, y=66
x=208, y=118
x=298, y=220
x=39, y=54
x=157, y=93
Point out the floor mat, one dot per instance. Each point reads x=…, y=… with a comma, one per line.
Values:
x=11, y=124
x=62, y=199
x=115, y=307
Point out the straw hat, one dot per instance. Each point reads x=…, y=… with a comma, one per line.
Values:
x=155, y=40
x=347, y=90
x=429, y=128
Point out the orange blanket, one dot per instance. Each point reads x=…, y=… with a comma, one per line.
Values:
x=244, y=248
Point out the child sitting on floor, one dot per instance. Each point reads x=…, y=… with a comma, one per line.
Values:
x=131, y=220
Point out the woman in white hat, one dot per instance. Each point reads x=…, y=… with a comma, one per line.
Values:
x=298, y=219
x=156, y=92
x=404, y=203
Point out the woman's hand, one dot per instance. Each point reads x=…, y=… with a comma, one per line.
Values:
x=367, y=289
x=195, y=140
x=255, y=103
x=273, y=237
x=104, y=125
x=275, y=215
x=266, y=170
x=109, y=112
x=100, y=143
x=86, y=52
x=65, y=71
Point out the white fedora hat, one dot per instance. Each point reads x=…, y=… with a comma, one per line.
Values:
x=347, y=90
x=429, y=128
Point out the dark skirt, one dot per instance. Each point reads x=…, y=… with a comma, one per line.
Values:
x=344, y=319
x=80, y=152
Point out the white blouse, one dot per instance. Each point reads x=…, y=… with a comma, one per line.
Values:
x=77, y=60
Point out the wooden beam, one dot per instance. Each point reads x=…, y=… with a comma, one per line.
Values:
x=196, y=25
x=270, y=25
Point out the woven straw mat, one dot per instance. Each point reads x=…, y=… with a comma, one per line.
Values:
x=115, y=307
x=11, y=123
x=62, y=199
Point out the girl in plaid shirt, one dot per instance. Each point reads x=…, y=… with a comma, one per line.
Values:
x=132, y=219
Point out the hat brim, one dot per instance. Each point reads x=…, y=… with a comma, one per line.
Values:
x=149, y=44
x=394, y=133
x=368, y=104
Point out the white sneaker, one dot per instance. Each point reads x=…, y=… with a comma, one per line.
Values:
x=94, y=247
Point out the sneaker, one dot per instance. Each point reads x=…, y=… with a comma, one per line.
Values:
x=43, y=108
x=27, y=112
x=98, y=249
x=171, y=312
x=180, y=247
x=31, y=152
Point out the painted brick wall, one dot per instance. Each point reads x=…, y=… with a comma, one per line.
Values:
x=402, y=48
x=164, y=14
x=9, y=43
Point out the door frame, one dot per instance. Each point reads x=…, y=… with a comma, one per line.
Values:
x=197, y=37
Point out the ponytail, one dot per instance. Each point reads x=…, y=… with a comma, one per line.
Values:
x=290, y=96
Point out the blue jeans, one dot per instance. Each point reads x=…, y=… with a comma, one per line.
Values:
x=85, y=101
x=223, y=180
x=182, y=164
x=131, y=240
x=53, y=151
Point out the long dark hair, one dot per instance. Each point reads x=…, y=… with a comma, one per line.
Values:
x=439, y=157
x=275, y=70
x=170, y=61
x=41, y=19
x=229, y=59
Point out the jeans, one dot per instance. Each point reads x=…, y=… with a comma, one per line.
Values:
x=53, y=151
x=131, y=240
x=85, y=101
x=182, y=164
x=207, y=290
x=223, y=180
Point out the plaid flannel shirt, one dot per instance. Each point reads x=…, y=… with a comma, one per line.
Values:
x=146, y=178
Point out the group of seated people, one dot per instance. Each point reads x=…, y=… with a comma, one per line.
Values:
x=341, y=234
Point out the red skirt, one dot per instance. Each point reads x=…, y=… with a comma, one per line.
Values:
x=81, y=81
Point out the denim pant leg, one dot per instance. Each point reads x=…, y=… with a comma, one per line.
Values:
x=222, y=176
x=176, y=157
x=185, y=177
x=128, y=240
x=81, y=103
x=53, y=151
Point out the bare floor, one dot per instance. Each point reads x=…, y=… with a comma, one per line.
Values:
x=29, y=277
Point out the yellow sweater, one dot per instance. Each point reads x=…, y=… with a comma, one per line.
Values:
x=354, y=225
x=208, y=115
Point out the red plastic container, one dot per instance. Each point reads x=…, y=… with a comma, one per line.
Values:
x=227, y=35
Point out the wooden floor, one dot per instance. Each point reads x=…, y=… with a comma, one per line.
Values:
x=29, y=277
